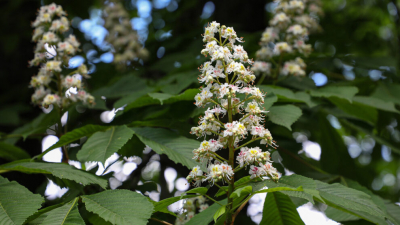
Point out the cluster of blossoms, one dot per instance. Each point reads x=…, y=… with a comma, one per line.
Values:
x=190, y=207
x=286, y=38
x=53, y=52
x=121, y=36
x=228, y=89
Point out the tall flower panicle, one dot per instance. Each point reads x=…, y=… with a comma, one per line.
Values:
x=121, y=36
x=284, y=42
x=234, y=112
x=52, y=53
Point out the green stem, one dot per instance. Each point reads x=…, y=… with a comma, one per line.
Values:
x=248, y=143
x=231, y=162
x=213, y=200
x=262, y=79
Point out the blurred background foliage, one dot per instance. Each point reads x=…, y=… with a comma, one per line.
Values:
x=333, y=140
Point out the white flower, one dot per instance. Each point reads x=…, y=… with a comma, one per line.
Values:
x=282, y=47
x=70, y=91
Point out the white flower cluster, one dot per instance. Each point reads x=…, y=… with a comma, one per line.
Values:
x=228, y=88
x=190, y=207
x=53, y=52
x=286, y=38
x=121, y=36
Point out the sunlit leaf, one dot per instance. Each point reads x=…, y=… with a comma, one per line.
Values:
x=121, y=207
x=279, y=210
x=101, y=145
x=284, y=115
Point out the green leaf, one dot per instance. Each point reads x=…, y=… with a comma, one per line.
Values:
x=162, y=98
x=242, y=191
x=124, y=86
x=280, y=210
x=287, y=95
x=77, y=134
x=206, y=216
x=376, y=102
x=60, y=170
x=269, y=190
x=339, y=216
x=394, y=211
x=387, y=92
x=66, y=214
x=348, y=198
x=238, y=183
x=11, y=152
x=162, y=206
x=346, y=92
x=38, y=126
x=198, y=190
x=17, y=203
x=284, y=115
x=334, y=154
x=177, y=148
x=361, y=111
x=122, y=207
x=269, y=100
x=293, y=182
x=101, y=145
x=175, y=83
x=219, y=212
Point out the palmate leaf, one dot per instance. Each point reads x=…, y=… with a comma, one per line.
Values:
x=17, y=203
x=60, y=170
x=11, y=152
x=346, y=92
x=280, y=210
x=101, y=145
x=284, y=115
x=122, y=207
x=177, y=148
x=67, y=214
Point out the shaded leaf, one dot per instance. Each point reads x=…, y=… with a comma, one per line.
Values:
x=17, y=202
x=346, y=92
x=361, y=111
x=376, y=102
x=177, y=148
x=77, y=134
x=11, y=152
x=66, y=214
x=60, y=170
x=206, y=216
x=287, y=95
